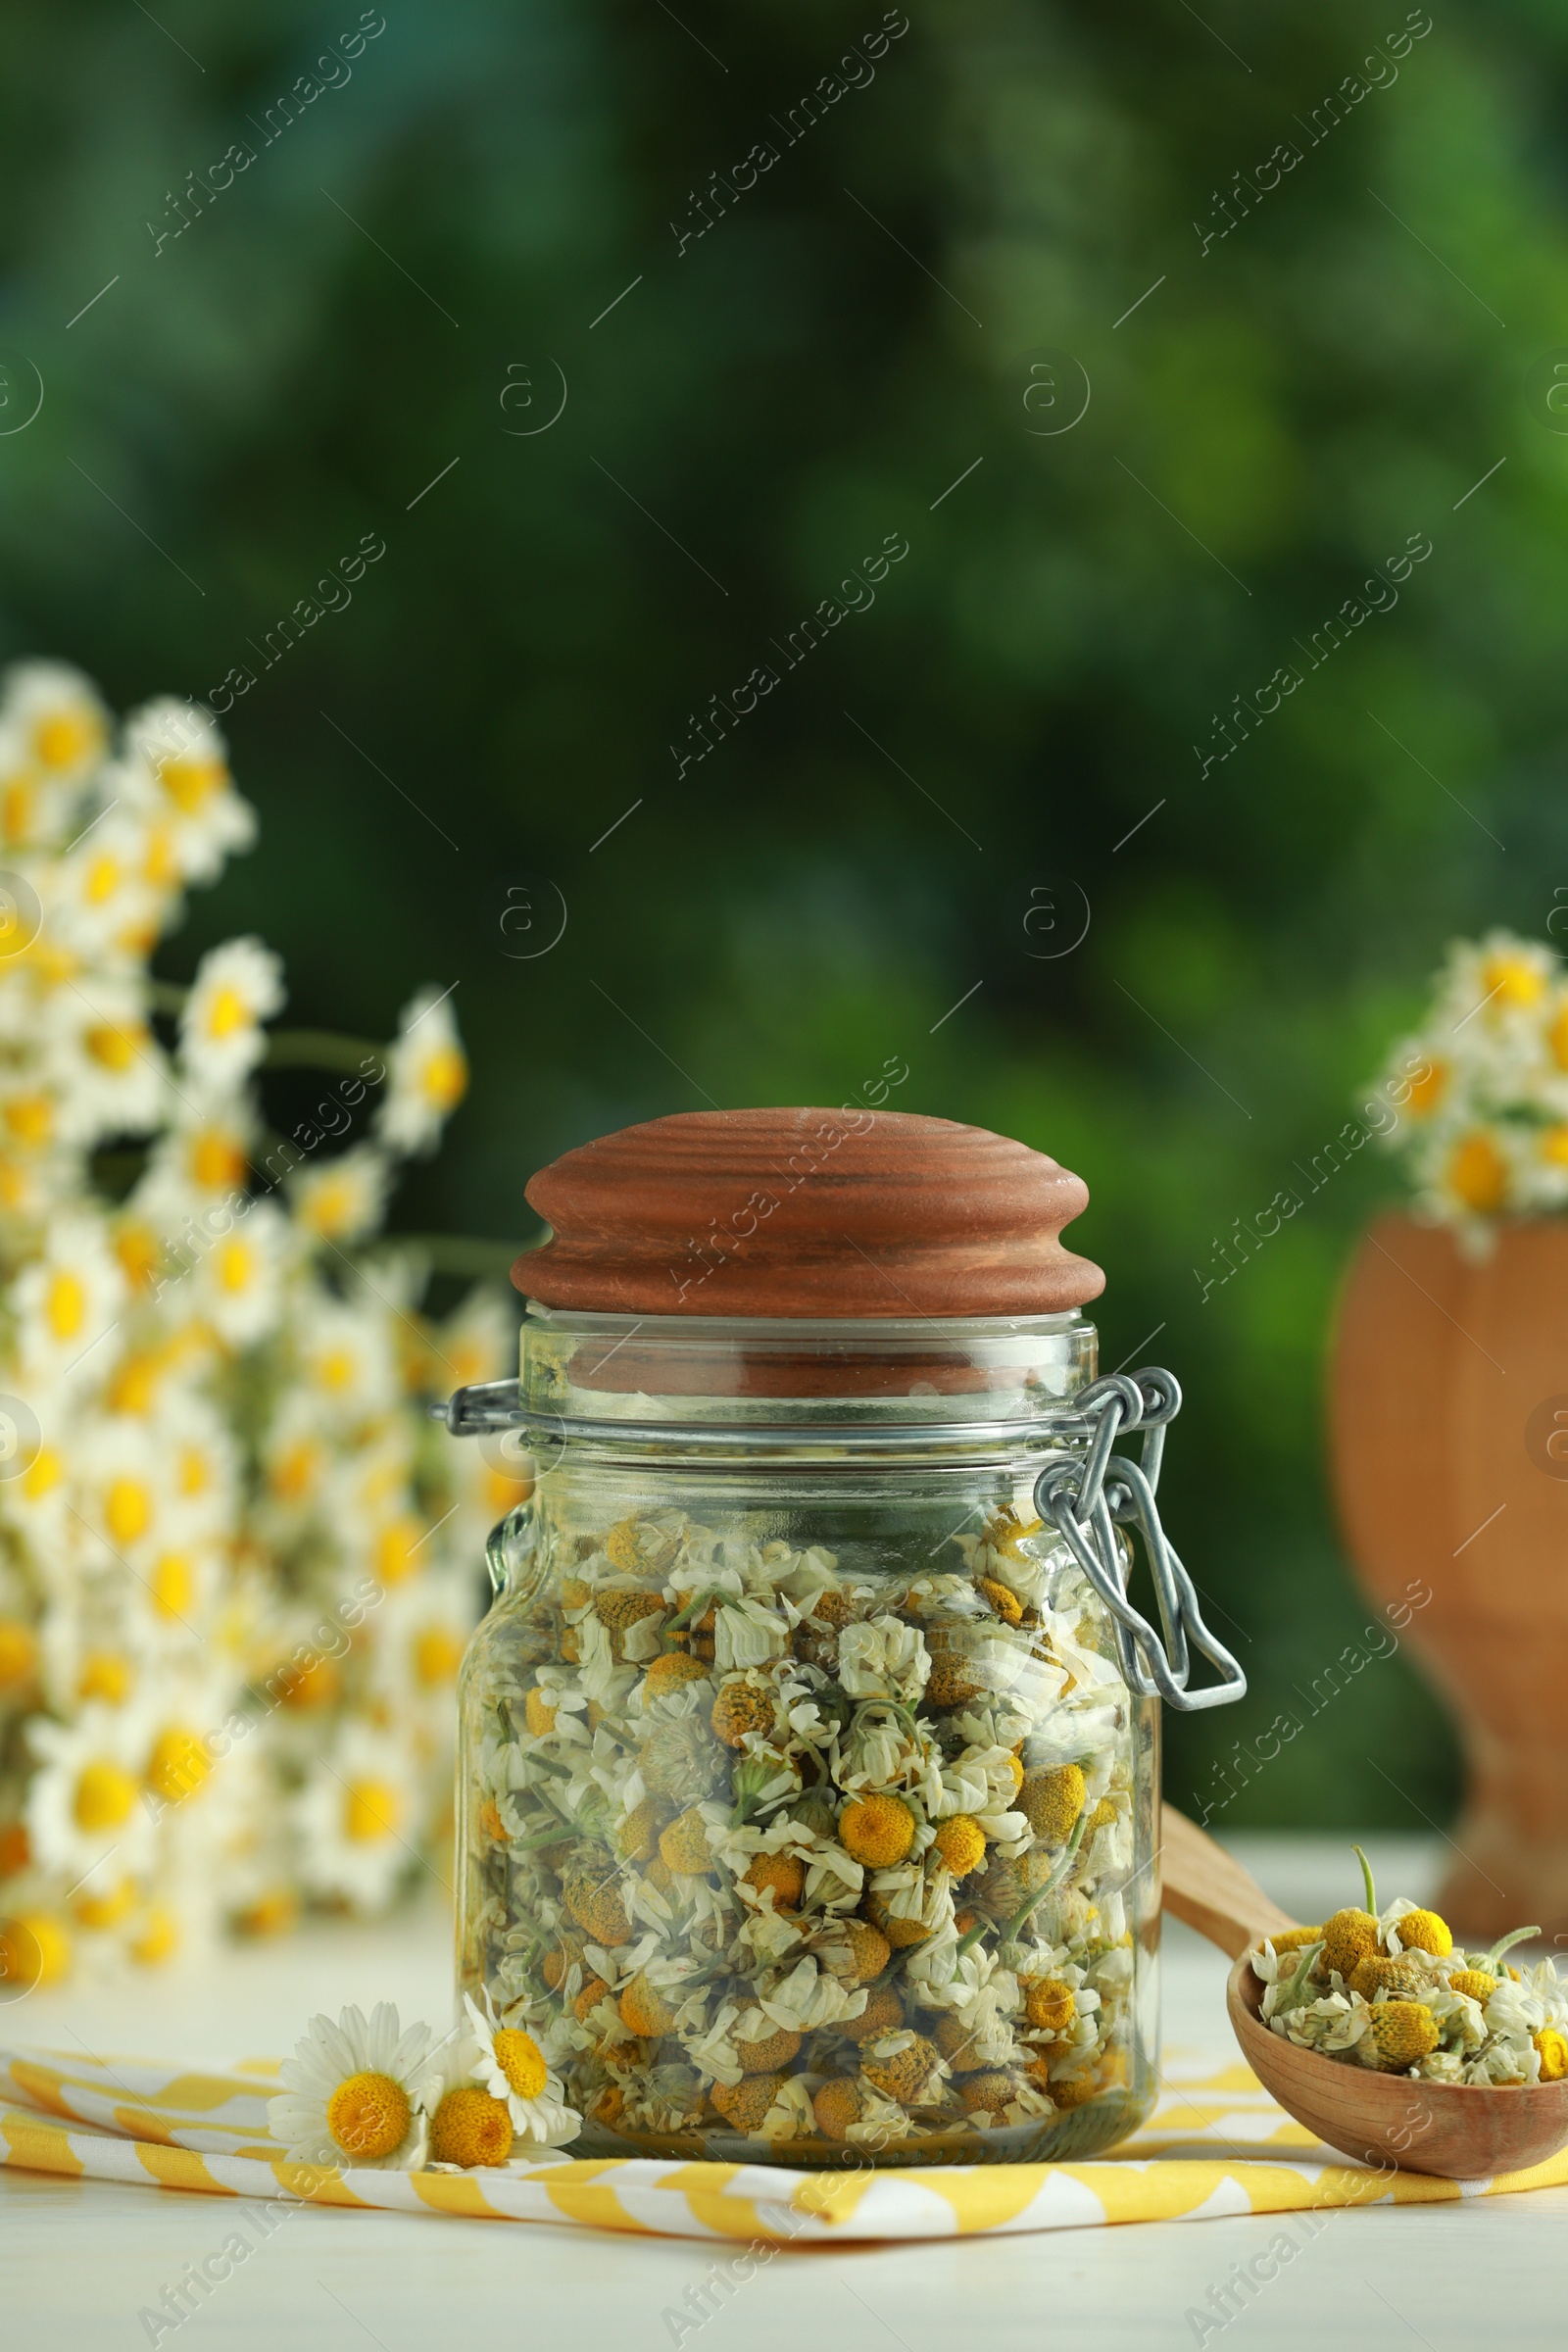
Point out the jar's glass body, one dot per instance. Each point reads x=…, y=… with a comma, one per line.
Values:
x=804, y=1812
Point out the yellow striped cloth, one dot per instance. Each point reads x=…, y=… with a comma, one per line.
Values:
x=1216, y=2144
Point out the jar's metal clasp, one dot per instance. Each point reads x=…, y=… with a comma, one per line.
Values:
x=1086, y=1496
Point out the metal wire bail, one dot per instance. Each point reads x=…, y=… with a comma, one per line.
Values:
x=1086, y=1496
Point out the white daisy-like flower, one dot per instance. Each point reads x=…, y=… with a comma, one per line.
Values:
x=511, y=2066
x=174, y=769
x=344, y=1198
x=126, y=1493
x=56, y=732
x=238, y=987
x=468, y=2127
x=68, y=1302
x=102, y=1063
x=351, y=2094
x=346, y=1357
x=428, y=1075
x=357, y=1818
x=882, y=1658
x=104, y=898
x=60, y=715
x=204, y=1155
x=236, y=1283
x=84, y=1803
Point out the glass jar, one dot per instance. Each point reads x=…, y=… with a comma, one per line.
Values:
x=808, y=1782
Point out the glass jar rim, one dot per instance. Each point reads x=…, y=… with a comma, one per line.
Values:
x=794, y=1380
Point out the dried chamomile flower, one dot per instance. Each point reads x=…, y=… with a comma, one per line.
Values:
x=877, y=1830
x=1398, y=2035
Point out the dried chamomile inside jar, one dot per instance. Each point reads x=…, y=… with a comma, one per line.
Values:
x=780, y=1844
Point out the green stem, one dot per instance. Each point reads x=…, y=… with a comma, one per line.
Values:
x=1020, y=1917
x=699, y=1601
x=1519, y=1936
x=1367, y=1873
x=318, y=1050
x=457, y=1253
x=1303, y=1972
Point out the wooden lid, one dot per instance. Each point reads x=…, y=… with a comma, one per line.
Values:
x=807, y=1212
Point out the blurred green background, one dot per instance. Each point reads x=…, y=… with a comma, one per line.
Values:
x=851, y=336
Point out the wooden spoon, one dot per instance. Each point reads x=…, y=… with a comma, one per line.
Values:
x=1459, y=2130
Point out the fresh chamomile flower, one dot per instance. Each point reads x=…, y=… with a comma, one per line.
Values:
x=174, y=770
x=105, y=898
x=351, y=2094
x=84, y=1803
x=66, y=1302
x=344, y=1198
x=428, y=1075
x=238, y=987
x=347, y=1360
x=101, y=1061
x=510, y=2066
x=56, y=729
x=357, y=1818
x=203, y=1155
x=235, y=1285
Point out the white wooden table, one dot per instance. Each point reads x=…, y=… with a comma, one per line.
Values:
x=79, y=2259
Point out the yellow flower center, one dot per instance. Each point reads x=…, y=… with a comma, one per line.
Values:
x=312, y=1685
x=470, y=2127
x=157, y=1937
x=1553, y=2048
x=44, y=1474
x=135, y=1381
x=395, y=1550
x=294, y=1473
x=174, y=1584
x=228, y=1012
x=127, y=1509
x=236, y=1267
x=1555, y=1146
x=878, y=1831
x=444, y=1076
x=195, y=1471
x=190, y=782
x=335, y=1369
x=217, y=1161
x=369, y=2115
x=138, y=1250
x=160, y=866
x=329, y=1208
x=1510, y=980
x=30, y=1118
x=66, y=1306
x=111, y=1048
x=372, y=1811
x=521, y=2061
x=179, y=1764
x=105, y=1675
x=19, y=1652
x=1428, y=1090
x=271, y=1914
x=16, y=809
x=103, y=879
x=65, y=737
x=1477, y=1174
x=105, y=1794
x=35, y=1949
x=437, y=1655
x=105, y=1910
